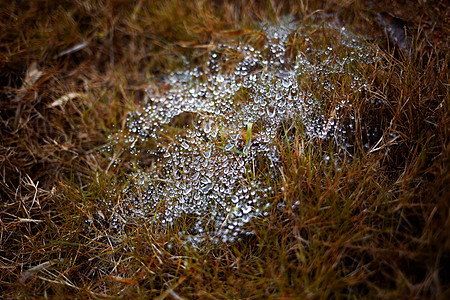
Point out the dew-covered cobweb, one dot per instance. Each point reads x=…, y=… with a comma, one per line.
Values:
x=215, y=176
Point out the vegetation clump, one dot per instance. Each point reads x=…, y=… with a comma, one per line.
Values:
x=207, y=172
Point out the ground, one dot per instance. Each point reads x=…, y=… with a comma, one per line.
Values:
x=373, y=223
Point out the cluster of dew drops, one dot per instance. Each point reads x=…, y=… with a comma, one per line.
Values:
x=207, y=176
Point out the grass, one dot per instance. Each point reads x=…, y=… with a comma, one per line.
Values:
x=373, y=224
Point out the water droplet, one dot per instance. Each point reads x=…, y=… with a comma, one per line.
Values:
x=229, y=147
x=270, y=111
x=185, y=145
x=207, y=153
x=207, y=127
x=246, y=209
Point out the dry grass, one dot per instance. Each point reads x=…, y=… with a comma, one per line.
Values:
x=377, y=225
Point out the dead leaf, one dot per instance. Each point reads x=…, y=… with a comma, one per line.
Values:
x=62, y=100
x=129, y=281
x=193, y=44
x=33, y=75
x=31, y=271
x=396, y=29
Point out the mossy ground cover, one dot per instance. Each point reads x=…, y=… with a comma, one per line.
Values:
x=372, y=221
